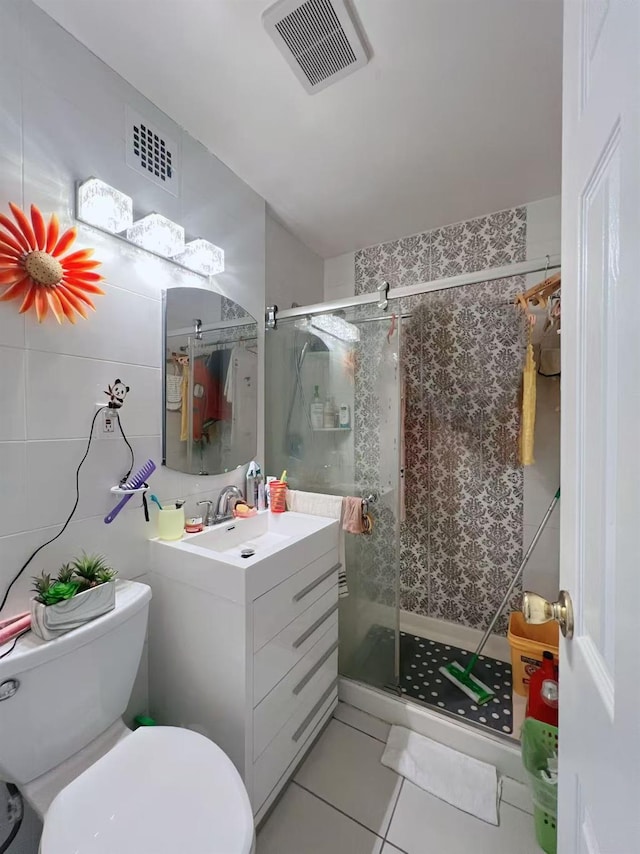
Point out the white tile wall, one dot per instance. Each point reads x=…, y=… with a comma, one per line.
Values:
x=62, y=115
x=543, y=230
x=12, y=390
x=294, y=272
x=129, y=317
x=13, y=501
x=340, y=276
x=62, y=392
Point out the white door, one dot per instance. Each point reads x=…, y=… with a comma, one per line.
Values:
x=599, y=795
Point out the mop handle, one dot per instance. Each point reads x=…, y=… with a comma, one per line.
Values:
x=516, y=577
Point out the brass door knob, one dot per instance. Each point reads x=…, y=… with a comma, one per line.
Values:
x=537, y=610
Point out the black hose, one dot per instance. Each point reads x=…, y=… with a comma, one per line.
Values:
x=13, y=792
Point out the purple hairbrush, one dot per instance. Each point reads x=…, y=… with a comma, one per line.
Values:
x=136, y=482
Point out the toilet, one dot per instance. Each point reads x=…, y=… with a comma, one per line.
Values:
x=99, y=787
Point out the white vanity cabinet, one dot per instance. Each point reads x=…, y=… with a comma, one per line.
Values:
x=245, y=650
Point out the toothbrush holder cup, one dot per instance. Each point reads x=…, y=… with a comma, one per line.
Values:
x=170, y=523
x=278, y=496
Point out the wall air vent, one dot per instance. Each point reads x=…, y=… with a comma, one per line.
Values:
x=151, y=152
x=317, y=38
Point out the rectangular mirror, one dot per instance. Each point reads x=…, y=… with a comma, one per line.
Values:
x=210, y=383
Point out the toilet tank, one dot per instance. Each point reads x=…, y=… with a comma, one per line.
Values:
x=70, y=689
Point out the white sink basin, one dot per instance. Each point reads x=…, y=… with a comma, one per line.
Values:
x=237, y=535
x=213, y=561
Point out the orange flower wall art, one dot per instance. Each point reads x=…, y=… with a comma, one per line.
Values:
x=35, y=268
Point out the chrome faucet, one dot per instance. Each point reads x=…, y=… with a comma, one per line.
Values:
x=224, y=508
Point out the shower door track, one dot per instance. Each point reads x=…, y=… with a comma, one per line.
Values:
x=407, y=315
x=520, y=268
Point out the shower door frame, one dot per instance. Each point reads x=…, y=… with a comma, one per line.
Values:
x=520, y=268
x=537, y=265
x=392, y=670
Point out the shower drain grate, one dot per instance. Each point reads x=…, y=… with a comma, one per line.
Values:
x=420, y=663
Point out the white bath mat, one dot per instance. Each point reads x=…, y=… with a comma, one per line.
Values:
x=466, y=783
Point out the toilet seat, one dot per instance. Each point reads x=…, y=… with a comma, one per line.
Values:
x=161, y=790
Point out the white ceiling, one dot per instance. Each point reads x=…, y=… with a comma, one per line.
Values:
x=458, y=113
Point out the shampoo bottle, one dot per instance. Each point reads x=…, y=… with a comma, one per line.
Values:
x=316, y=410
x=345, y=416
x=329, y=414
x=250, y=492
x=260, y=497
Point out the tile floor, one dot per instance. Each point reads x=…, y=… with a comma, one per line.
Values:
x=344, y=801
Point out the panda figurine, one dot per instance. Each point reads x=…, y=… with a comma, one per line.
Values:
x=116, y=394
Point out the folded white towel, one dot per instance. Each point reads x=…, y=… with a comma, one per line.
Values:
x=314, y=503
x=174, y=392
x=466, y=783
x=318, y=504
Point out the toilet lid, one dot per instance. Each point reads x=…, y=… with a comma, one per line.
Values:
x=160, y=790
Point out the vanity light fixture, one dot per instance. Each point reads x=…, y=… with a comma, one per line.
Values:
x=202, y=257
x=157, y=234
x=104, y=206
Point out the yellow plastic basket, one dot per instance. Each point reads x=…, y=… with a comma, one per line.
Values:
x=527, y=645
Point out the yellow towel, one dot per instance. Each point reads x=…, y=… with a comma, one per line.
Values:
x=528, y=422
x=184, y=424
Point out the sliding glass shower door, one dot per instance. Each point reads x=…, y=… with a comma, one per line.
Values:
x=333, y=421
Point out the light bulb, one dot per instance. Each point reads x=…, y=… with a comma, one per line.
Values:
x=202, y=257
x=104, y=206
x=157, y=234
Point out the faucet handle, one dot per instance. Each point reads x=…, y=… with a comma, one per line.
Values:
x=209, y=518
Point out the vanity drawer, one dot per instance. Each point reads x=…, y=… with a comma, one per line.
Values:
x=279, y=606
x=318, y=665
x=285, y=650
x=291, y=739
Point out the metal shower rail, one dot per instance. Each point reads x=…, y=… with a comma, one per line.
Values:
x=520, y=268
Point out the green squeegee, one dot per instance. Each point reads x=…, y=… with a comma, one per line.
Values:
x=462, y=676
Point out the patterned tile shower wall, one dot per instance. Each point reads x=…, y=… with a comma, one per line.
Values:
x=463, y=350
x=230, y=310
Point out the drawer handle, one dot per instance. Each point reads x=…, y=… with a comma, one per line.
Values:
x=312, y=628
x=305, y=679
x=306, y=590
x=314, y=711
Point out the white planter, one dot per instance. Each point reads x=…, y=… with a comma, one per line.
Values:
x=50, y=621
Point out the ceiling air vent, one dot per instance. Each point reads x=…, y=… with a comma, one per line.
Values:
x=151, y=152
x=317, y=38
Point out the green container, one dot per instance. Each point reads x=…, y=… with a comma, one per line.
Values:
x=539, y=744
x=546, y=831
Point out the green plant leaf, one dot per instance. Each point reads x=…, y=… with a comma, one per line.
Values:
x=105, y=575
x=59, y=591
x=65, y=573
x=88, y=566
x=41, y=584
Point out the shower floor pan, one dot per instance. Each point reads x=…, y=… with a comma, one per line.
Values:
x=420, y=661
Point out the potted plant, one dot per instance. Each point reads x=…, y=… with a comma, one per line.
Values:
x=83, y=590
